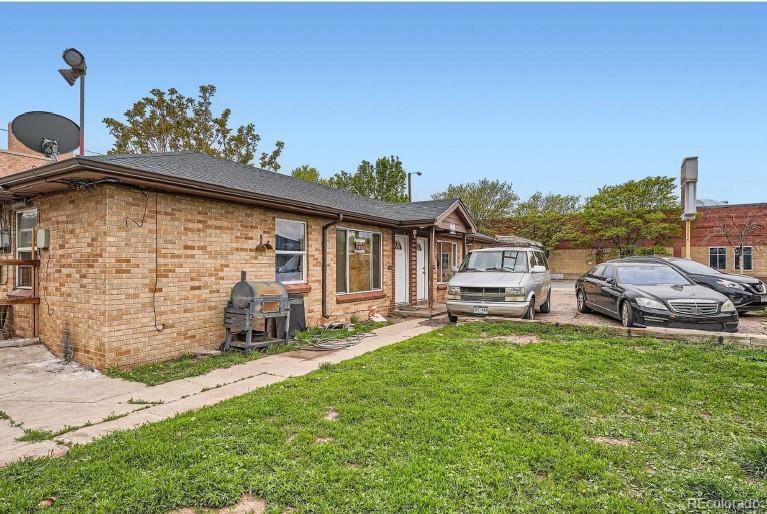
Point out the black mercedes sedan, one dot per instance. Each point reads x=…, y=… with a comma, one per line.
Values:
x=643, y=294
x=747, y=293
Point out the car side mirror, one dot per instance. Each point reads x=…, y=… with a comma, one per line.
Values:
x=610, y=280
x=539, y=269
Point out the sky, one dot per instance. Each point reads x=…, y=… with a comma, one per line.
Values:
x=560, y=98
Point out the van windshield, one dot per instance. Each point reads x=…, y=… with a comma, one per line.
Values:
x=501, y=260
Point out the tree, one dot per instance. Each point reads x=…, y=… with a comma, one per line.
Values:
x=488, y=201
x=738, y=232
x=549, y=219
x=384, y=180
x=169, y=121
x=629, y=215
x=307, y=173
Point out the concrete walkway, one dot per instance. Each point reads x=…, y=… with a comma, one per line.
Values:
x=39, y=392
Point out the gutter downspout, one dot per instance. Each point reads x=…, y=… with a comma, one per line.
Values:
x=325, y=228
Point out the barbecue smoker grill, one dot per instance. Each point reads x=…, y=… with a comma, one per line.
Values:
x=251, y=301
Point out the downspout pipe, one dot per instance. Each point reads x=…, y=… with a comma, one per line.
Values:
x=325, y=228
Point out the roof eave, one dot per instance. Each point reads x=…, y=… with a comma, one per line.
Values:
x=19, y=181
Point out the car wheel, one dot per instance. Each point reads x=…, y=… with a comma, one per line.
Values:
x=546, y=307
x=530, y=312
x=627, y=315
x=451, y=318
x=580, y=297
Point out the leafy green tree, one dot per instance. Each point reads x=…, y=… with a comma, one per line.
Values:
x=488, y=201
x=633, y=217
x=548, y=219
x=307, y=173
x=169, y=121
x=385, y=180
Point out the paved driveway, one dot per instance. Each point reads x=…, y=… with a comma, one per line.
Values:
x=563, y=310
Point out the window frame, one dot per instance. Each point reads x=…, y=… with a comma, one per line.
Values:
x=292, y=252
x=718, y=255
x=750, y=255
x=346, y=253
x=453, y=252
x=17, y=279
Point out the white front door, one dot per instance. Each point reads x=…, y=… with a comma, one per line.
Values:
x=401, y=269
x=420, y=271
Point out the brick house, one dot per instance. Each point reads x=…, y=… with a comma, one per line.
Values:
x=707, y=243
x=144, y=249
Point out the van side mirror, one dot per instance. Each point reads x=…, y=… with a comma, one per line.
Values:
x=539, y=269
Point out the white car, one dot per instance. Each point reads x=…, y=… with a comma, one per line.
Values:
x=509, y=282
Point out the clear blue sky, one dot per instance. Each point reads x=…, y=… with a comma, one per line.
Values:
x=551, y=97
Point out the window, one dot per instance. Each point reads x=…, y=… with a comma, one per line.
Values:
x=290, y=251
x=26, y=221
x=358, y=261
x=542, y=260
x=514, y=261
x=447, y=260
x=747, y=259
x=717, y=257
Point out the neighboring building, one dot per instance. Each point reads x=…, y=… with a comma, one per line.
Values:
x=708, y=246
x=144, y=251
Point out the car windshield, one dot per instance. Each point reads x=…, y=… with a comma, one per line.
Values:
x=694, y=267
x=650, y=275
x=501, y=260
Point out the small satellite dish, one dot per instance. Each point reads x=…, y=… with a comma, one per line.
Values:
x=46, y=132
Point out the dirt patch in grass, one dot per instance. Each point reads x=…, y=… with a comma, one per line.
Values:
x=332, y=414
x=612, y=441
x=323, y=440
x=247, y=505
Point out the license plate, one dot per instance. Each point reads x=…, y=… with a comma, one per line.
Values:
x=480, y=310
x=764, y=298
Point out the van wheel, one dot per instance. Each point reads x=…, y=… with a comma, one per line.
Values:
x=627, y=314
x=451, y=318
x=530, y=312
x=546, y=307
x=580, y=297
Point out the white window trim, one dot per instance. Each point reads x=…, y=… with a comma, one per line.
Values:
x=380, y=259
x=735, y=257
x=20, y=249
x=453, y=252
x=291, y=252
x=725, y=257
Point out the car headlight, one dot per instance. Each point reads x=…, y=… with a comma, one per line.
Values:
x=454, y=293
x=649, y=303
x=515, y=294
x=730, y=284
x=728, y=306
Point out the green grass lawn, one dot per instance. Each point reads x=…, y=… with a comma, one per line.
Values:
x=452, y=421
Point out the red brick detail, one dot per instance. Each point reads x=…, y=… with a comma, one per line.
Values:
x=441, y=287
x=358, y=297
x=298, y=288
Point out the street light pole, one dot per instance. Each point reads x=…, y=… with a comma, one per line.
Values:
x=410, y=184
x=82, y=115
x=77, y=70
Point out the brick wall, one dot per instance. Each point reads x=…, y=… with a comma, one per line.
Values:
x=101, y=274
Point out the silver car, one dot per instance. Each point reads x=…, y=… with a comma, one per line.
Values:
x=509, y=282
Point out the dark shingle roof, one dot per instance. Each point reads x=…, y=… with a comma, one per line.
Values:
x=203, y=168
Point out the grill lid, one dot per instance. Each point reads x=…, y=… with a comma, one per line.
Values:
x=245, y=292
